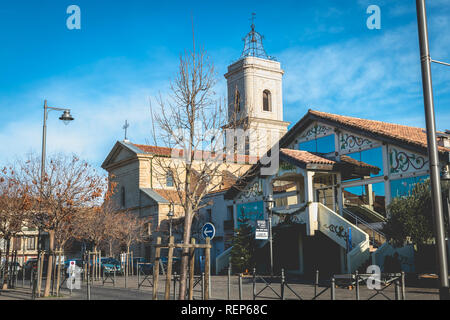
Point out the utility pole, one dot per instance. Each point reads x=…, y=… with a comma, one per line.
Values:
x=433, y=154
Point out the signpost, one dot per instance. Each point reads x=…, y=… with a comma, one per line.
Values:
x=262, y=230
x=208, y=231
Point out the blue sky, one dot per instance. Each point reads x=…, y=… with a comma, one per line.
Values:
x=126, y=53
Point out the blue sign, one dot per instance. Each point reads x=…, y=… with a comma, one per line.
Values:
x=208, y=231
x=249, y=213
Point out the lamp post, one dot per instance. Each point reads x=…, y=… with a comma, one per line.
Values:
x=436, y=196
x=66, y=118
x=170, y=215
x=269, y=205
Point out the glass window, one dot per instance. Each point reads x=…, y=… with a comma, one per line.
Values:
x=169, y=179
x=319, y=145
x=237, y=102
x=371, y=162
x=31, y=243
x=402, y=187
x=366, y=201
x=266, y=101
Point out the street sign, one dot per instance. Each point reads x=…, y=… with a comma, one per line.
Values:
x=262, y=230
x=208, y=231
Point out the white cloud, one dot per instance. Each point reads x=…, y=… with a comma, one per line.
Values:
x=376, y=77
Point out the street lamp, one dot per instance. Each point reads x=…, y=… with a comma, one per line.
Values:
x=170, y=215
x=269, y=205
x=66, y=117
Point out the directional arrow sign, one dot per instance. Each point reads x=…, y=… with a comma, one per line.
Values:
x=208, y=231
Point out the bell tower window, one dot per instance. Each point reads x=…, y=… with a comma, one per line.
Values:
x=237, y=102
x=267, y=103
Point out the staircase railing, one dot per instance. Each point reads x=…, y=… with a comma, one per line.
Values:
x=376, y=237
x=223, y=260
x=336, y=228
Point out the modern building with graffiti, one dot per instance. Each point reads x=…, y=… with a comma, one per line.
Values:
x=335, y=178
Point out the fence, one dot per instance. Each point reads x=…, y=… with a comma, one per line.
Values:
x=280, y=285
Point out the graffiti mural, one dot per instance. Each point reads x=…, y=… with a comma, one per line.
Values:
x=349, y=142
x=401, y=161
x=317, y=130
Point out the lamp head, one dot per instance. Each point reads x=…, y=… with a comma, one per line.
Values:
x=269, y=202
x=66, y=117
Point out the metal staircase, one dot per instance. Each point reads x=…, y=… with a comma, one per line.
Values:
x=377, y=238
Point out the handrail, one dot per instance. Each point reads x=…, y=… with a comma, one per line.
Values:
x=362, y=221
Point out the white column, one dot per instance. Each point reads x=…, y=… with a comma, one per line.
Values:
x=309, y=186
x=340, y=192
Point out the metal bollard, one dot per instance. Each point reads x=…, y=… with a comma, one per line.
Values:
x=397, y=290
x=357, y=284
x=229, y=281
x=240, y=286
x=114, y=280
x=333, y=289
x=88, y=289
x=174, y=285
x=203, y=286
x=254, y=283
x=31, y=278
x=316, y=283
x=283, y=280
x=403, y=286
x=138, y=277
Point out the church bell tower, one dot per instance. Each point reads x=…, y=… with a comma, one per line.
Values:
x=255, y=100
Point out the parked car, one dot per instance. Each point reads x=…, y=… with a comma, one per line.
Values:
x=32, y=264
x=111, y=264
x=78, y=263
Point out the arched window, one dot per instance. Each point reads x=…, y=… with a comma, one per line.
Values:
x=237, y=102
x=267, y=103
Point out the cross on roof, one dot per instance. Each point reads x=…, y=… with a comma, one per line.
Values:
x=125, y=127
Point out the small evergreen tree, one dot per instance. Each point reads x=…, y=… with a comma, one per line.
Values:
x=242, y=253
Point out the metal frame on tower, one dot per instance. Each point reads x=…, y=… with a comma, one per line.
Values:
x=253, y=44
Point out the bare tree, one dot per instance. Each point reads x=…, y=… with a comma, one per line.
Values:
x=132, y=229
x=15, y=205
x=191, y=122
x=69, y=185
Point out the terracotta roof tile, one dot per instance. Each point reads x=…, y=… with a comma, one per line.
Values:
x=167, y=152
x=413, y=135
x=306, y=157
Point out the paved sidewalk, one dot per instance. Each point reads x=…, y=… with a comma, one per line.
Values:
x=219, y=291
